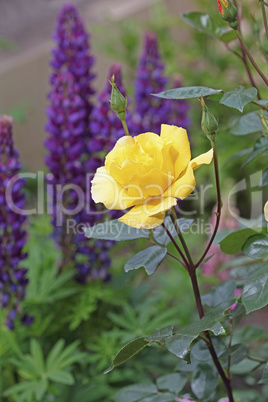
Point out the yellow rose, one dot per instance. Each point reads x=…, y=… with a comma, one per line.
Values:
x=149, y=173
x=266, y=211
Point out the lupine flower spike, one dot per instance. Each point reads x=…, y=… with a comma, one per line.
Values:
x=13, y=280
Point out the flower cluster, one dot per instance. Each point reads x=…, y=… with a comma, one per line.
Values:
x=149, y=111
x=70, y=156
x=72, y=52
x=13, y=278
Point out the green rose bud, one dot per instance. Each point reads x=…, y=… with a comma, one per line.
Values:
x=227, y=10
x=118, y=101
x=209, y=123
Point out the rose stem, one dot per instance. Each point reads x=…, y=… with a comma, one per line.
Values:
x=218, y=213
x=264, y=17
x=176, y=246
x=243, y=45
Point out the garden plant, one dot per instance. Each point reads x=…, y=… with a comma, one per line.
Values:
x=169, y=183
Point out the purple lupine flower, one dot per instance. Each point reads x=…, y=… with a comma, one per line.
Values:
x=69, y=159
x=72, y=52
x=149, y=111
x=13, y=278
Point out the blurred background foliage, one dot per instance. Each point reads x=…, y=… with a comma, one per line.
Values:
x=78, y=329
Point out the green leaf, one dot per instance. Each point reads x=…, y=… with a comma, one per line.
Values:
x=246, y=124
x=180, y=343
x=255, y=292
x=264, y=378
x=149, y=258
x=41, y=389
x=264, y=179
x=38, y=356
x=53, y=356
x=233, y=243
x=204, y=381
x=161, y=397
x=61, y=376
x=187, y=92
x=225, y=291
x=238, y=155
x=128, y=351
x=206, y=25
x=171, y=382
x=160, y=234
x=134, y=393
x=256, y=247
x=160, y=334
x=237, y=353
x=262, y=102
x=115, y=230
x=228, y=36
x=261, y=145
x=239, y=98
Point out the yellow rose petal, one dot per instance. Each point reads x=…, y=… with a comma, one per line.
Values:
x=153, y=183
x=202, y=159
x=183, y=186
x=142, y=221
x=106, y=190
x=266, y=211
x=180, y=151
x=150, y=214
x=120, y=151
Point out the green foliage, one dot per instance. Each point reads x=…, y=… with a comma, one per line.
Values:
x=187, y=93
x=239, y=98
x=39, y=372
x=149, y=258
x=207, y=25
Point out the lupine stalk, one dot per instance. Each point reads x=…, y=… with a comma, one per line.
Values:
x=13, y=278
x=70, y=159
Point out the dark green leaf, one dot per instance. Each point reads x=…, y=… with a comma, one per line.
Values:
x=225, y=291
x=180, y=343
x=128, y=351
x=187, y=93
x=238, y=155
x=228, y=36
x=159, y=335
x=134, y=393
x=255, y=292
x=262, y=102
x=161, y=397
x=246, y=124
x=115, y=230
x=239, y=97
x=149, y=258
x=204, y=381
x=237, y=353
x=256, y=247
x=62, y=377
x=206, y=25
x=160, y=234
x=171, y=382
x=233, y=243
x=264, y=179
x=264, y=378
x=260, y=146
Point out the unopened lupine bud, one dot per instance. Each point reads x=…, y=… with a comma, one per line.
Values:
x=228, y=12
x=209, y=123
x=118, y=101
